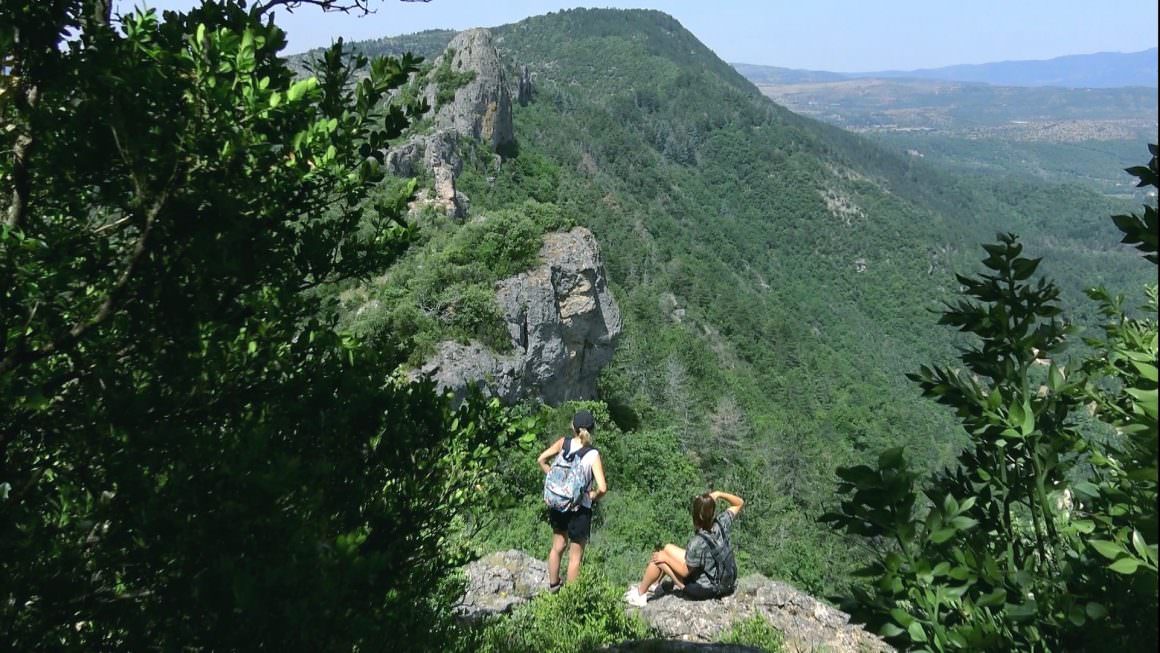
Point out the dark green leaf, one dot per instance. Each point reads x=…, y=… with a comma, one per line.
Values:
x=1076, y=615
x=1087, y=489
x=1022, y=611
x=859, y=475
x=1107, y=549
x=1124, y=565
x=890, y=458
x=1095, y=610
x=890, y=630
x=902, y=617
x=916, y=632
x=942, y=535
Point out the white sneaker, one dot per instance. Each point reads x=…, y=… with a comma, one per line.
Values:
x=635, y=598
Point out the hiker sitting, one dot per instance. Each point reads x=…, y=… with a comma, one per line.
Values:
x=705, y=568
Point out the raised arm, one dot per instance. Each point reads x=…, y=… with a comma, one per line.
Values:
x=735, y=502
x=542, y=459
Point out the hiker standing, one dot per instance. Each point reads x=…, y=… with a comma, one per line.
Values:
x=705, y=568
x=569, y=494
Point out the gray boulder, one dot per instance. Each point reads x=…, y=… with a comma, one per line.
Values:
x=563, y=323
x=499, y=582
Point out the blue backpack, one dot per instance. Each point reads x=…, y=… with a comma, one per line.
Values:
x=567, y=480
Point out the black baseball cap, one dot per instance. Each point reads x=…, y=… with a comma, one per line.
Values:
x=583, y=420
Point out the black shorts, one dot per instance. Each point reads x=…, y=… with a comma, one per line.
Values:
x=698, y=592
x=577, y=524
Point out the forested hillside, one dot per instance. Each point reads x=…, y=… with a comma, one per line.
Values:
x=1076, y=136
x=776, y=275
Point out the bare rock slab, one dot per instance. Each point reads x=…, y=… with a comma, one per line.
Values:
x=806, y=623
x=499, y=582
x=481, y=108
x=503, y=580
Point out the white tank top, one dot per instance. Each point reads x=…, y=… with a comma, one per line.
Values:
x=585, y=464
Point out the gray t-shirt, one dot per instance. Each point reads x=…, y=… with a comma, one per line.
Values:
x=706, y=559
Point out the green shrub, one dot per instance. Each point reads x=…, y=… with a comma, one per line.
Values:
x=506, y=243
x=447, y=81
x=473, y=314
x=584, y=616
x=754, y=631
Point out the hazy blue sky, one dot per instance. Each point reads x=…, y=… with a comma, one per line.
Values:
x=840, y=35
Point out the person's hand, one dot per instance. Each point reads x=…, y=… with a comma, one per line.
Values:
x=657, y=557
x=714, y=495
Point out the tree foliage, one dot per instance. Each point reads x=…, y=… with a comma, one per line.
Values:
x=1043, y=537
x=191, y=455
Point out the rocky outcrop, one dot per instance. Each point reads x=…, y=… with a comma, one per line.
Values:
x=806, y=623
x=499, y=582
x=563, y=323
x=504, y=580
x=677, y=646
x=482, y=107
x=438, y=154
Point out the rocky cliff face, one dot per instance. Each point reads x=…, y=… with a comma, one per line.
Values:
x=503, y=580
x=438, y=154
x=561, y=317
x=481, y=108
x=563, y=323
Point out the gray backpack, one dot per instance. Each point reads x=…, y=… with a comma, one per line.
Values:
x=722, y=553
x=567, y=480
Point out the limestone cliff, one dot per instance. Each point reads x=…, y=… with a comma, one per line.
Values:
x=478, y=109
x=561, y=316
x=563, y=323
x=481, y=108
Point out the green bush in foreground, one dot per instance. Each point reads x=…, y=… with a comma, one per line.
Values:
x=583, y=616
x=1044, y=536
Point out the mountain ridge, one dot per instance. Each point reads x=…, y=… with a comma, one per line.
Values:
x=1094, y=70
x=775, y=276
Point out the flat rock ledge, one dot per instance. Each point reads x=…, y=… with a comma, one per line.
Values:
x=499, y=582
x=677, y=646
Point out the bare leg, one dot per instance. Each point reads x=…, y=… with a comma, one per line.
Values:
x=672, y=563
x=558, y=542
x=652, y=574
x=575, y=555
x=678, y=581
x=678, y=555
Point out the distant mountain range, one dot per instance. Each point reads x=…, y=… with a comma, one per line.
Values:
x=1099, y=70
